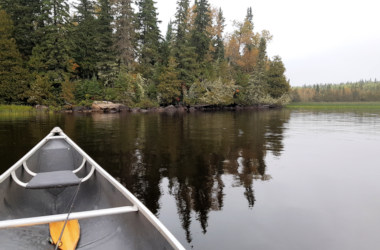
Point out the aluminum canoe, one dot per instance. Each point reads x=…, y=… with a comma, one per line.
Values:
x=39, y=188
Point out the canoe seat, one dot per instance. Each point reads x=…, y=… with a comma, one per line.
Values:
x=53, y=180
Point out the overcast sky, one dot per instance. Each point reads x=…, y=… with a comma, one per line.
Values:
x=324, y=41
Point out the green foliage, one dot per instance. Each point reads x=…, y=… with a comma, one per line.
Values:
x=13, y=76
x=41, y=91
x=25, y=15
x=169, y=87
x=128, y=89
x=68, y=90
x=88, y=90
x=147, y=103
x=212, y=93
x=105, y=51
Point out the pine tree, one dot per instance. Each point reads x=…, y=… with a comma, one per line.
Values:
x=149, y=38
x=125, y=41
x=13, y=77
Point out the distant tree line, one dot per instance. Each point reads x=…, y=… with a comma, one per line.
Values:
x=364, y=90
x=107, y=50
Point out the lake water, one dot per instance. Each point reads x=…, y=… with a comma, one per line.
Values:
x=282, y=179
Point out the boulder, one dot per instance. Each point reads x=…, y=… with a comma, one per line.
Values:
x=41, y=107
x=181, y=109
x=170, y=108
x=106, y=107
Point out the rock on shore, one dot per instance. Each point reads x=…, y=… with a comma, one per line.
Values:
x=107, y=107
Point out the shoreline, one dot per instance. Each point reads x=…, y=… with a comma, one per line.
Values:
x=108, y=107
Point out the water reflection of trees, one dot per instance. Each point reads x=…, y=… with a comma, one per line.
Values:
x=193, y=152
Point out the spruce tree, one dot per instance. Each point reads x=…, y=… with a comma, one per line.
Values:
x=125, y=39
x=167, y=45
x=149, y=38
x=181, y=22
x=169, y=86
x=13, y=77
x=184, y=52
x=218, y=40
x=82, y=39
x=25, y=15
x=106, y=59
x=200, y=36
x=51, y=57
x=277, y=83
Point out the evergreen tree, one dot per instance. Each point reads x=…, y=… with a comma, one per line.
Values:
x=25, y=15
x=149, y=38
x=82, y=39
x=258, y=76
x=167, y=45
x=184, y=52
x=249, y=16
x=106, y=60
x=125, y=41
x=247, y=31
x=218, y=40
x=181, y=22
x=200, y=37
x=51, y=57
x=277, y=83
x=262, y=53
x=169, y=87
x=13, y=77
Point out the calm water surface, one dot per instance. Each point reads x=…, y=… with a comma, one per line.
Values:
x=245, y=180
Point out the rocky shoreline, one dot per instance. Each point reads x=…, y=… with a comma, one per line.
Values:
x=110, y=107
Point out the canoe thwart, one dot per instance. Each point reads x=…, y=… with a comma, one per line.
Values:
x=53, y=179
x=61, y=217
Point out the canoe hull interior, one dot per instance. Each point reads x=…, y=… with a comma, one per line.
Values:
x=122, y=231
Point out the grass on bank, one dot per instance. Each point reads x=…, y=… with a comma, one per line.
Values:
x=334, y=105
x=16, y=109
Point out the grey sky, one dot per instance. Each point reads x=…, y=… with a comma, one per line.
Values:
x=324, y=41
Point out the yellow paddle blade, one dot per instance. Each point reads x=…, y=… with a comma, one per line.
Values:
x=70, y=236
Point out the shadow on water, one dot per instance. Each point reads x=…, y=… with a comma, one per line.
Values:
x=193, y=151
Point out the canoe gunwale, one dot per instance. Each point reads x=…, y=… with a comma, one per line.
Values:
x=57, y=133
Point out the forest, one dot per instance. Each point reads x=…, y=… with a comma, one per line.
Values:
x=362, y=91
x=60, y=54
